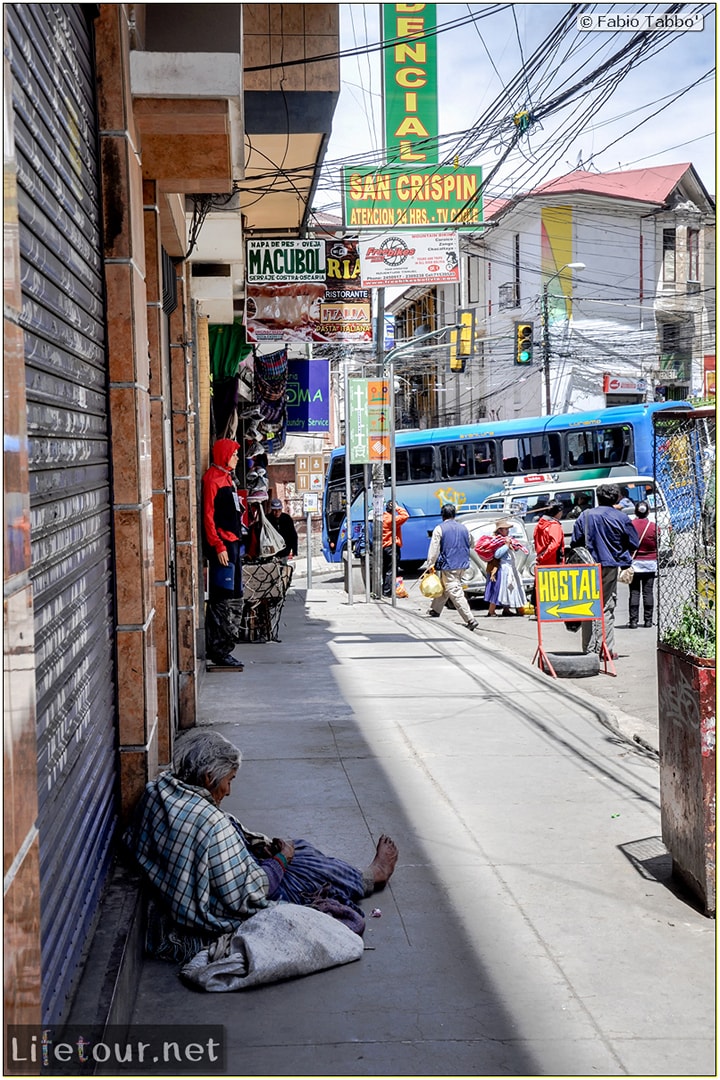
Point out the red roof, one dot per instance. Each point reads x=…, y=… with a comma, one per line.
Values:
x=646, y=185
x=494, y=206
x=652, y=185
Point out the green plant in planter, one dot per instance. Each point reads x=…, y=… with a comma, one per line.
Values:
x=695, y=632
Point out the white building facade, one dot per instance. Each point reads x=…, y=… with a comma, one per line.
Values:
x=614, y=271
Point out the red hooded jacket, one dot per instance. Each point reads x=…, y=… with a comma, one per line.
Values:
x=220, y=505
x=549, y=541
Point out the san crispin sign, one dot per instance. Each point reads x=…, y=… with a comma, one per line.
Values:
x=408, y=198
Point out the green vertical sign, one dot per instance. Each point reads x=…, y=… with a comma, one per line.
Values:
x=367, y=415
x=410, y=84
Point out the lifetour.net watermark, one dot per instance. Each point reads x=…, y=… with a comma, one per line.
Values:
x=152, y=1050
x=628, y=20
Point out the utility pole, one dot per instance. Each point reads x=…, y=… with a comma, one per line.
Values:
x=378, y=468
x=546, y=330
x=546, y=348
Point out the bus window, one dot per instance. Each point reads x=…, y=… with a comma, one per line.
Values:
x=417, y=463
x=539, y=453
x=481, y=457
x=581, y=448
x=510, y=456
x=554, y=450
x=421, y=462
x=614, y=445
x=337, y=471
x=454, y=460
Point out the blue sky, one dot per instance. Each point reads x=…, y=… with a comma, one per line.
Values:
x=475, y=63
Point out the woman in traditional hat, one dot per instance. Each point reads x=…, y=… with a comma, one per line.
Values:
x=504, y=587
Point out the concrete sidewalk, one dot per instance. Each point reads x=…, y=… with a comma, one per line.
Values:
x=530, y=927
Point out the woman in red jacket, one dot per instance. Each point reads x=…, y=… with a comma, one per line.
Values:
x=222, y=537
x=549, y=538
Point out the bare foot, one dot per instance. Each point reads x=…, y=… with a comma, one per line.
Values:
x=383, y=864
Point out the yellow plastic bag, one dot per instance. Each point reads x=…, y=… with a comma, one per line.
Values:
x=430, y=584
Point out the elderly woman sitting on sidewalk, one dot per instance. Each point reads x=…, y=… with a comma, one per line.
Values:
x=208, y=873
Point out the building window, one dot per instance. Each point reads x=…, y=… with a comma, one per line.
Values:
x=693, y=254
x=668, y=254
x=506, y=296
x=517, y=269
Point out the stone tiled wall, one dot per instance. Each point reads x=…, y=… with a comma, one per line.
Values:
x=21, y=871
x=130, y=407
x=275, y=32
x=161, y=471
x=185, y=484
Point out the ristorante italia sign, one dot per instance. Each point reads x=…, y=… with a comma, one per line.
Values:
x=408, y=198
x=410, y=83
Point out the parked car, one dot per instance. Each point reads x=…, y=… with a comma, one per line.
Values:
x=527, y=501
x=481, y=523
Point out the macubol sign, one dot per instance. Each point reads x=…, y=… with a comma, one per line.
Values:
x=408, y=198
x=272, y=261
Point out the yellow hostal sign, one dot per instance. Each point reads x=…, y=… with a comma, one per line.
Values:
x=568, y=593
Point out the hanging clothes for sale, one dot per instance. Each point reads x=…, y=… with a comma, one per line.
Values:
x=271, y=376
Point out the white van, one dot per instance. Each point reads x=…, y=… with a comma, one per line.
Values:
x=528, y=498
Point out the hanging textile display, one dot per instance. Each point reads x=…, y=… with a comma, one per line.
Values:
x=271, y=376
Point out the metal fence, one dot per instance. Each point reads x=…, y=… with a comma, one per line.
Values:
x=684, y=459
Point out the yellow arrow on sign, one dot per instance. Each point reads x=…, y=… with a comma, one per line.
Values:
x=573, y=609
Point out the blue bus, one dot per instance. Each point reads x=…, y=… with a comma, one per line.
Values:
x=463, y=465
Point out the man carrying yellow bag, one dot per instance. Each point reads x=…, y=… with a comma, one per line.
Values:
x=449, y=555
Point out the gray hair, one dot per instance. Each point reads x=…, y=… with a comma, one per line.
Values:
x=202, y=756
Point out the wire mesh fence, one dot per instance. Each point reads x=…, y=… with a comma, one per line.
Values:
x=684, y=459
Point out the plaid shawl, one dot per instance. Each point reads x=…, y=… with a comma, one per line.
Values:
x=190, y=852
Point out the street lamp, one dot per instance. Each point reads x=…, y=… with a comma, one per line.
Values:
x=546, y=333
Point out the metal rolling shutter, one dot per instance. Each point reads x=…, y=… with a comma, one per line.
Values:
x=51, y=56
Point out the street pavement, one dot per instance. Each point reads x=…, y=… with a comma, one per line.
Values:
x=531, y=926
x=628, y=699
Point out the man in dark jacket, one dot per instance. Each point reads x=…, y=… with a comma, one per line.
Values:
x=610, y=538
x=286, y=527
x=449, y=554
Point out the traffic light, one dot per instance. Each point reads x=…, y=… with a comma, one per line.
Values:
x=462, y=340
x=523, y=342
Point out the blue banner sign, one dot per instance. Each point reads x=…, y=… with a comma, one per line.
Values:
x=308, y=397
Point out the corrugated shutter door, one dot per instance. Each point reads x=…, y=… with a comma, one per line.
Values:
x=51, y=56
